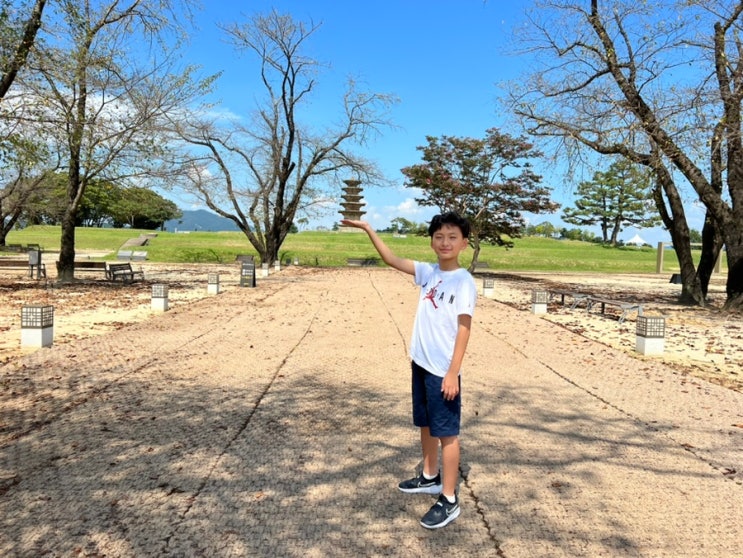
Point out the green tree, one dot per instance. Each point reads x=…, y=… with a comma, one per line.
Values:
x=578, y=234
x=571, y=234
x=141, y=208
x=49, y=203
x=96, y=206
x=614, y=199
x=545, y=229
x=402, y=225
x=490, y=181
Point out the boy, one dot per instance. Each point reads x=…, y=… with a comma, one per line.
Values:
x=440, y=335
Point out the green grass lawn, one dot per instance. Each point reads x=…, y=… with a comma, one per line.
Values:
x=327, y=249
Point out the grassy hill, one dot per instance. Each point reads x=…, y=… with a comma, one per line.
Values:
x=332, y=248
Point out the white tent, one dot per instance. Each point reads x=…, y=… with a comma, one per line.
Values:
x=636, y=240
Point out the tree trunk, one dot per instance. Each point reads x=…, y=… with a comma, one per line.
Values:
x=272, y=252
x=691, y=288
x=711, y=245
x=7, y=224
x=734, y=288
x=475, y=255
x=616, y=228
x=66, y=262
x=604, y=232
x=675, y=222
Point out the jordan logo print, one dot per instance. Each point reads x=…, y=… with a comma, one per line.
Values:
x=431, y=295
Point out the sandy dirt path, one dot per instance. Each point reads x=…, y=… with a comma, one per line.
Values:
x=275, y=422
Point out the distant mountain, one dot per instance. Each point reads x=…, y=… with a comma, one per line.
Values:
x=199, y=221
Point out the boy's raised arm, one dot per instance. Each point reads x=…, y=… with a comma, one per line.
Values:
x=389, y=257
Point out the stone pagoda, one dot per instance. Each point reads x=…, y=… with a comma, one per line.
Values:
x=352, y=204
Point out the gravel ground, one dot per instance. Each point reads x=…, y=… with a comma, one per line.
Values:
x=275, y=422
x=701, y=342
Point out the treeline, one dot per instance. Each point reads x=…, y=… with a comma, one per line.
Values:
x=103, y=204
x=400, y=225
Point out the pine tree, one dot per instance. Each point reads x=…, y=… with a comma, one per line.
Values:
x=613, y=200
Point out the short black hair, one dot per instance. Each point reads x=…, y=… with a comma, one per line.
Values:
x=449, y=218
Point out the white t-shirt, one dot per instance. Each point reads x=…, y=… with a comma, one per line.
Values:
x=444, y=296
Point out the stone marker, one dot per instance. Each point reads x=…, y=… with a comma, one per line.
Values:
x=247, y=274
x=160, y=297
x=212, y=286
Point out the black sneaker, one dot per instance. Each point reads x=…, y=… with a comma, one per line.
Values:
x=421, y=485
x=441, y=513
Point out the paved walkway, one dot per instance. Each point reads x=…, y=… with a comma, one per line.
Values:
x=275, y=422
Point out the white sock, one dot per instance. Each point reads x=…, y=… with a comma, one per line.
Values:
x=427, y=477
x=451, y=499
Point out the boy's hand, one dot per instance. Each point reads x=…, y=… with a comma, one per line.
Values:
x=403, y=264
x=450, y=386
x=357, y=224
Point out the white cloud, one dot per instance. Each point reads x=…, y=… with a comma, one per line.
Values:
x=409, y=207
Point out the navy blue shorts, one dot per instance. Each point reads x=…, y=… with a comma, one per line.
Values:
x=429, y=406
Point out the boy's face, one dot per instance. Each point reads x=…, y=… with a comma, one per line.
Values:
x=448, y=243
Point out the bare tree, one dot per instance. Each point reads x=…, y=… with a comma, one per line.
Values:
x=660, y=84
x=15, y=55
x=99, y=94
x=261, y=175
x=17, y=37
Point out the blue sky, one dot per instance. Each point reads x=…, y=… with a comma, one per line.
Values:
x=442, y=58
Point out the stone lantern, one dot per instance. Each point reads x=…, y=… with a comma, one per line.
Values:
x=539, y=301
x=37, y=325
x=650, y=335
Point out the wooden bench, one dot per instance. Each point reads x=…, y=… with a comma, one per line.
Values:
x=131, y=255
x=123, y=272
x=626, y=307
x=15, y=248
x=88, y=266
x=20, y=248
x=362, y=262
x=25, y=265
x=577, y=297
